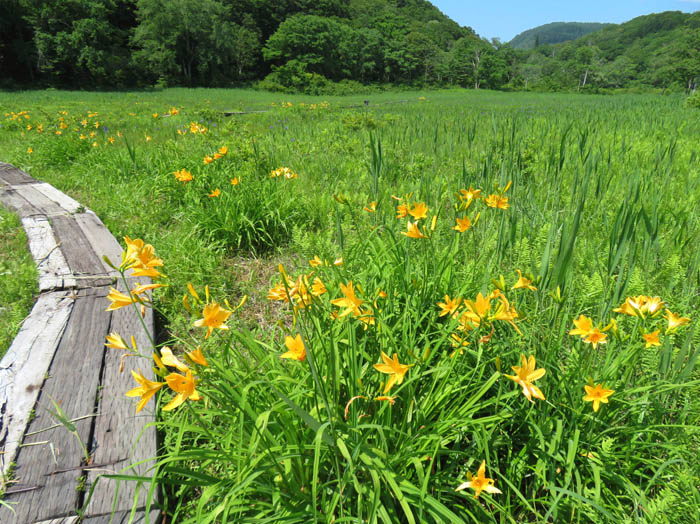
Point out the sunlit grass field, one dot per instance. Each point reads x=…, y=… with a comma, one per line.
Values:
x=461, y=306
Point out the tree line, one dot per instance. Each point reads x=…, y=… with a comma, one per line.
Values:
x=308, y=45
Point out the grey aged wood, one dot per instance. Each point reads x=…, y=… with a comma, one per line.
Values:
x=118, y=428
x=24, y=366
x=67, y=203
x=67, y=520
x=39, y=200
x=21, y=206
x=54, y=272
x=76, y=247
x=59, y=355
x=10, y=175
x=122, y=517
x=100, y=239
x=72, y=383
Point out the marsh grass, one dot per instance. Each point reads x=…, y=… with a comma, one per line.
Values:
x=602, y=195
x=18, y=278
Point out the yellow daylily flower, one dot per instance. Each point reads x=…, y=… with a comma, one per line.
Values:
x=183, y=175
x=401, y=211
x=214, y=193
x=469, y=195
x=596, y=336
x=413, y=231
x=651, y=339
x=463, y=224
x=297, y=350
x=525, y=375
x=449, y=306
x=184, y=386
x=674, y=321
x=146, y=390
x=496, y=201
x=350, y=301
x=583, y=324
x=115, y=340
x=167, y=358
x=371, y=207
x=523, y=283
x=118, y=299
x=597, y=395
x=419, y=211
x=480, y=483
x=213, y=316
x=392, y=367
x=197, y=357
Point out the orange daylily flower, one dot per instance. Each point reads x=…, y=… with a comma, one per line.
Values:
x=392, y=367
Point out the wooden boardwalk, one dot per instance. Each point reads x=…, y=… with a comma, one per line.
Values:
x=59, y=357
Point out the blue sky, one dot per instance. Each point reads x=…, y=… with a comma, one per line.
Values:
x=507, y=18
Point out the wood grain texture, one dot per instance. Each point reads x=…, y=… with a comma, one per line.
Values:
x=11, y=175
x=52, y=457
x=122, y=437
x=24, y=367
x=64, y=201
x=36, y=198
x=101, y=240
x=59, y=356
x=122, y=517
x=54, y=272
x=82, y=260
x=22, y=207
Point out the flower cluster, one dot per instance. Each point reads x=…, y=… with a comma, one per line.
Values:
x=283, y=172
x=183, y=175
x=222, y=152
x=301, y=291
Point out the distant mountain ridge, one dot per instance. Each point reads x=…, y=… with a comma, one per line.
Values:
x=554, y=33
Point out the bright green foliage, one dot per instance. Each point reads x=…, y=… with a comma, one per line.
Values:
x=553, y=33
x=657, y=50
x=18, y=278
x=602, y=206
x=192, y=39
x=82, y=41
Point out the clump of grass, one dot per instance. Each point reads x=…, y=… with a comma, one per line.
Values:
x=18, y=278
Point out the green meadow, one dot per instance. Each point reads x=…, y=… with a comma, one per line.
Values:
x=439, y=306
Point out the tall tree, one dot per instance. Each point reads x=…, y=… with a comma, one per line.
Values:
x=187, y=40
x=78, y=42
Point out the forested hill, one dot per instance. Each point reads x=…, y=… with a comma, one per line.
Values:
x=554, y=33
x=659, y=50
x=89, y=43
x=320, y=46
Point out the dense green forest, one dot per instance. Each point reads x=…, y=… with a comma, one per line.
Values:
x=554, y=33
x=321, y=45
x=660, y=50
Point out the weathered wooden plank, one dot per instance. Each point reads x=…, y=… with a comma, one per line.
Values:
x=67, y=203
x=36, y=198
x=54, y=272
x=12, y=199
x=81, y=258
x=24, y=366
x=11, y=175
x=119, y=437
x=101, y=240
x=122, y=517
x=51, y=457
x=65, y=520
